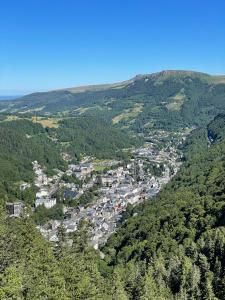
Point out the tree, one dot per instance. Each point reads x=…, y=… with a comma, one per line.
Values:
x=11, y=283
x=118, y=291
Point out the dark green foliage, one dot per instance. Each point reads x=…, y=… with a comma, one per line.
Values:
x=28, y=269
x=42, y=215
x=71, y=179
x=24, y=127
x=31, y=268
x=89, y=196
x=17, y=153
x=216, y=128
x=93, y=136
x=80, y=268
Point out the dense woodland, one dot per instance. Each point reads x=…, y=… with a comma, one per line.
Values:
x=173, y=248
x=21, y=143
x=93, y=136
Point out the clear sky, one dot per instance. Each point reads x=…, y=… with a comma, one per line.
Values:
x=47, y=44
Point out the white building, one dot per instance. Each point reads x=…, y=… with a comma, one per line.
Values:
x=48, y=203
x=42, y=193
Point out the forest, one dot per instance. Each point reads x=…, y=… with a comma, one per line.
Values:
x=94, y=136
x=21, y=143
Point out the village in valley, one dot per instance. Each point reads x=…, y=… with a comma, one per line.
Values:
x=116, y=184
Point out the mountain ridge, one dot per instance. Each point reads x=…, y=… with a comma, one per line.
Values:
x=170, y=99
x=120, y=84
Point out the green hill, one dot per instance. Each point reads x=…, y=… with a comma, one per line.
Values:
x=168, y=100
x=93, y=136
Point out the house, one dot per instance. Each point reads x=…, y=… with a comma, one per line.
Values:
x=82, y=169
x=42, y=193
x=14, y=209
x=48, y=202
x=52, y=236
x=39, y=201
x=70, y=225
x=69, y=194
x=54, y=224
x=133, y=199
x=105, y=226
x=80, y=208
x=124, y=193
x=24, y=186
x=69, y=172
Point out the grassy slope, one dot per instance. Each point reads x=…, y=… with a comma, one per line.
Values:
x=169, y=100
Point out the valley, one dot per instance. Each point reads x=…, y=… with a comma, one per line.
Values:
x=112, y=150
x=128, y=183
x=115, y=188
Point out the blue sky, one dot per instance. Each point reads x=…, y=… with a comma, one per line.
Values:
x=46, y=44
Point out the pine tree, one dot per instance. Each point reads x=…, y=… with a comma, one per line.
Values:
x=150, y=291
x=60, y=245
x=118, y=291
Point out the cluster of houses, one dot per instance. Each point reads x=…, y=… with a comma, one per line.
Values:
x=47, y=187
x=81, y=170
x=106, y=212
x=120, y=186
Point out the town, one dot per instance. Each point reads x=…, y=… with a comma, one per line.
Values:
x=116, y=186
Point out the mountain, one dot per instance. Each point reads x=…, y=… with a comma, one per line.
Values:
x=167, y=100
x=2, y=98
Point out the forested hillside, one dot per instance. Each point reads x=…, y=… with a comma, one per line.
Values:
x=21, y=143
x=93, y=136
x=30, y=269
x=174, y=248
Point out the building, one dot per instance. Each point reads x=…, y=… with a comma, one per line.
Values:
x=68, y=194
x=42, y=193
x=48, y=202
x=70, y=225
x=82, y=169
x=14, y=209
x=24, y=186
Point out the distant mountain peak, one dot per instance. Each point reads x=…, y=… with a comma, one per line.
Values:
x=166, y=73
